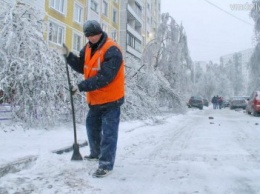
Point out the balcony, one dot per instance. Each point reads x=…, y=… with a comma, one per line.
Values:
x=135, y=23
x=134, y=32
x=135, y=12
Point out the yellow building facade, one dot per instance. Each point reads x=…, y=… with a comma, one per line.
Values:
x=131, y=23
x=65, y=19
x=112, y=18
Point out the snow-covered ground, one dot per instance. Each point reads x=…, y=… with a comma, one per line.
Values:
x=179, y=154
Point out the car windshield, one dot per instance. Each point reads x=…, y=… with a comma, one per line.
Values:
x=196, y=98
x=238, y=98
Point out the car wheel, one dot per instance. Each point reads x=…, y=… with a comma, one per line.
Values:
x=255, y=113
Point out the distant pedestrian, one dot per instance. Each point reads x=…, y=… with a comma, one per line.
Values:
x=220, y=102
x=214, y=102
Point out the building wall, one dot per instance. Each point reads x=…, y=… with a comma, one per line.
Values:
x=139, y=20
x=123, y=25
x=94, y=10
x=151, y=19
x=202, y=64
x=244, y=58
x=136, y=21
x=65, y=19
x=106, y=18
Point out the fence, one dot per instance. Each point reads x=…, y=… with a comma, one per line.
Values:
x=5, y=112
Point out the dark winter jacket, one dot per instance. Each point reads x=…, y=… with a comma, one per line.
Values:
x=214, y=100
x=109, y=69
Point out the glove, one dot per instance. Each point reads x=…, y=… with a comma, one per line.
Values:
x=74, y=89
x=64, y=50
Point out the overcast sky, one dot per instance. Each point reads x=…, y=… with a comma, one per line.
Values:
x=214, y=28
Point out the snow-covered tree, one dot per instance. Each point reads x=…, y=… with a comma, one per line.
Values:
x=255, y=15
x=170, y=59
x=161, y=79
x=31, y=74
x=254, y=68
x=214, y=81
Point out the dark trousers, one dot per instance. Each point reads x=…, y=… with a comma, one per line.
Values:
x=102, y=131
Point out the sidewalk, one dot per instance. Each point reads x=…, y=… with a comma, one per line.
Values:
x=20, y=147
x=17, y=143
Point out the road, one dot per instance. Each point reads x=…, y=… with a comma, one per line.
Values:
x=195, y=154
x=204, y=151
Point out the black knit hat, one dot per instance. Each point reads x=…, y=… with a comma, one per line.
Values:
x=91, y=28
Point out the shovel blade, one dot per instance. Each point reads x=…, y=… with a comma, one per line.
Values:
x=76, y=154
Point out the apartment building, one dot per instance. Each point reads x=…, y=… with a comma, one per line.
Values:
x=139, y=20
x=107, y=13
x=203, y=65
x=126, y=21
x=65, y=19
x=131, y=27
x=242, y=57
x=151, y=19
x=131, y=23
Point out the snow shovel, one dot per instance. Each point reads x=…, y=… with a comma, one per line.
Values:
x=76, y=154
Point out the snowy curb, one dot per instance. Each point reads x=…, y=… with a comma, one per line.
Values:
x=17, y=166
x=27, y=161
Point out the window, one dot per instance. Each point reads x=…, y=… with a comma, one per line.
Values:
x=138, y=9
x=130, y=40
x=114, y=35
x=104, y=27
x=148, y=20
x=58, y=5
x=105, y=8
x=78, y=13
x=77, y=42
x=94, y=6
x=133, y=42
x=114, y=16
x=56, y=33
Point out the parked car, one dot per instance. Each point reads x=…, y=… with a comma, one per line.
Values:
x=205, y=102
x=246, y=98
x=196, y=101
x=225, y=103
x=238, y=102
x=253, y=105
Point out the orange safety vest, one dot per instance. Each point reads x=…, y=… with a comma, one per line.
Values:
x=115, y=89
